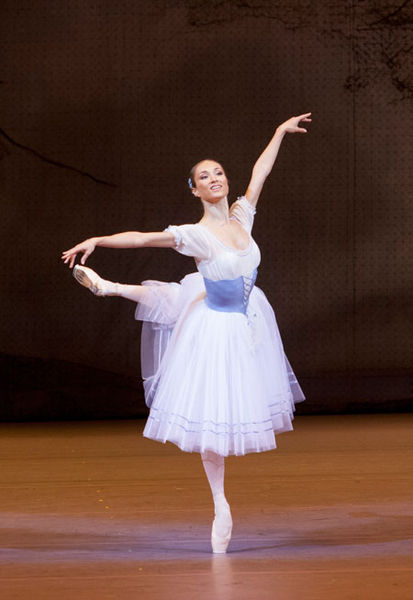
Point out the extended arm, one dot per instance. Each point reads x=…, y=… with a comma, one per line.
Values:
x=265, y=162
x=128, y=239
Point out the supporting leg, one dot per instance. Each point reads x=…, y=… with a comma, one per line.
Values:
x=214, y=466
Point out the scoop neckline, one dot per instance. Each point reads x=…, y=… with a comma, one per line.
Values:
x=236, y=250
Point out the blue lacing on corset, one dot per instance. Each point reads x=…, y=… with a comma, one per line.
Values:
x=248, y=285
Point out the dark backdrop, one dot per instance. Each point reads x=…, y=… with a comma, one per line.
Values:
x=106, y=106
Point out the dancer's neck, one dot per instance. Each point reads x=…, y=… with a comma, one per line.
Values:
x=216, y=214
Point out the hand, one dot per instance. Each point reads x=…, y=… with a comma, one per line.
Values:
x=86, y=247
x=291, y=125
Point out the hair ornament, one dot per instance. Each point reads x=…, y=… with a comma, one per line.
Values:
x=190, y=182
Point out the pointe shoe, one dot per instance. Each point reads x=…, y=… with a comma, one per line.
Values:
x=91, y=280
x=220, y=543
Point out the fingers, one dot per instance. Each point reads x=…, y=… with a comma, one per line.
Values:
x=297, y=129
x=86, y=255
x=66, y=255
x=69, y=256
x=304, y=117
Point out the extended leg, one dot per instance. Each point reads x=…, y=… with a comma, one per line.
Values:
x=103, y=287
x=214, y=466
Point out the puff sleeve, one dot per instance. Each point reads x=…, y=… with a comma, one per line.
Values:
x=243, y=212
x=191, y=240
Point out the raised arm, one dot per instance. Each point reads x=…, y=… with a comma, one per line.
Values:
x=128, y=239
x=265, y=162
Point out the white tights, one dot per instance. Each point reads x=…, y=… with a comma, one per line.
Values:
x=214, y=465
x=136, y=293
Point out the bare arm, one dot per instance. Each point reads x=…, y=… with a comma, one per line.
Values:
x=265, y=162
x=127, y=239
x=137, y=239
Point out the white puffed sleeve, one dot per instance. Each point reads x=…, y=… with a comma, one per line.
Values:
x=243, y=212
x=191, y=240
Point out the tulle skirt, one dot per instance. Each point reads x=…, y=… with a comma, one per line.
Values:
x=213, y=380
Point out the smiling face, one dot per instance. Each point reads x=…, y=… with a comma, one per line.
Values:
x=209, y=181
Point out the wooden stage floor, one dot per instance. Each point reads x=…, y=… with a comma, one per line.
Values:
x=92, y=510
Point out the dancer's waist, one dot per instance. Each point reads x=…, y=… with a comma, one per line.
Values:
x=229, y=295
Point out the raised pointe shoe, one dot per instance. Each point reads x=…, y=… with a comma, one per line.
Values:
x=220, y=542
x=91, y=280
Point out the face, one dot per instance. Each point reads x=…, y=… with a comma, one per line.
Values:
x=211, y=181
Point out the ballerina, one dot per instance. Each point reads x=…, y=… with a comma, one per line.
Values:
x=216, y=377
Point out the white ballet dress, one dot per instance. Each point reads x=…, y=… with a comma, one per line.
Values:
x=215, y=373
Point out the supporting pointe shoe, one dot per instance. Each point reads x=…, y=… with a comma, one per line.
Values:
x=220, y=542
x=91, y=280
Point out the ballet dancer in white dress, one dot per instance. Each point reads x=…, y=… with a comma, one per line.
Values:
x=216, y=377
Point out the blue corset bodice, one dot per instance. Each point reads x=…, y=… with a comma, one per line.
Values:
x=229, y=295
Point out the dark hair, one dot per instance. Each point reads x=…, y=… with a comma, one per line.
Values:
x=191, y=179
